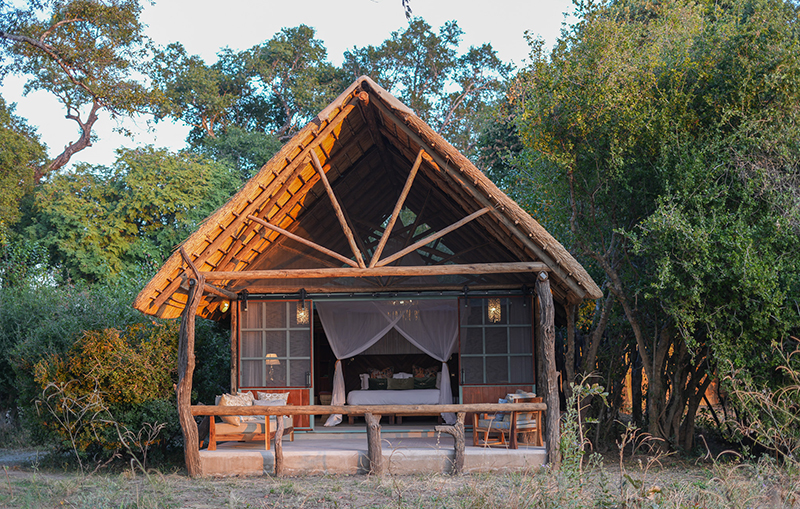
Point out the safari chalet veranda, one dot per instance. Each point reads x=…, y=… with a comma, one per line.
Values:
x=369, y=243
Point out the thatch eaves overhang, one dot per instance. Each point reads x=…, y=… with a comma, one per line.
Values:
x=346, y=171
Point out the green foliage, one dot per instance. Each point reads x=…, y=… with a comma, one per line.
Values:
x=244, y=151
x=37, y=321
x=665, y=134
x=293, y=81
x=21, y=154
x=452, y=92
x=108, y=380
x=101, y=222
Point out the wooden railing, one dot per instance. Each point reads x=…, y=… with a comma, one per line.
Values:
x=372, y=414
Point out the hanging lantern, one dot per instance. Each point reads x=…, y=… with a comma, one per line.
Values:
x=495, y=310
x=302, y=313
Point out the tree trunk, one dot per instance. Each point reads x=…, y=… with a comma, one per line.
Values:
x=547, y=327
x=191, y=447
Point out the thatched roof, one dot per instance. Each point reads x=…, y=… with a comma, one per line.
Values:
x=366, y=141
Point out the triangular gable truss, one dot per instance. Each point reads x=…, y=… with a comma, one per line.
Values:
x=322, y=214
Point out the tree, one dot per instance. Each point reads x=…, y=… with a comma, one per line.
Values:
x=101, y=222
x=87, y=53
x=292, y=80
x=451, y=92
x=21, y=155
x=666, y=135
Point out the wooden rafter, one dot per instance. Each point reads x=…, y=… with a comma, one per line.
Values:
x=301, y=240
x=397, y=208
x=400, y=270
x=433, y=237
x=336, y=207
x=460, y=181
x=292, y=167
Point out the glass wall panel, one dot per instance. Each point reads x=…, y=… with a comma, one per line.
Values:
x=275, y=350
x=497, y=349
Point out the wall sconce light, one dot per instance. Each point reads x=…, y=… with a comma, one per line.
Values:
x=495, y=310
x=302, y=310
x=224, y=306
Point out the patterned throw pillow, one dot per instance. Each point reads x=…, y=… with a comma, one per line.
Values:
x=420, y=372
x=233, y=400
x=381, y=373
x=273, y=396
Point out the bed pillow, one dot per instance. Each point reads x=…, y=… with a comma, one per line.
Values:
x=427, y=382
x=364, y=377
x=377, y=384
x=273, y=396
x=233, y=400
x=381, y=373
x=402, y=375
x=438, y=379
x=423, y=372
x=400, y=384
x=269, y=402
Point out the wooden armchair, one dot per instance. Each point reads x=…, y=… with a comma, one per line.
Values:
x=492, y=429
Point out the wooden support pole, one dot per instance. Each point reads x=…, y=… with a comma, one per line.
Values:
x=278, y=445
x=457, y=430
x=433, y=237
x=397, y=208
x=301, y=240
x=374, y=449
x=234, y=348
x=186, y=361
x=337, y=208
x=547, y=328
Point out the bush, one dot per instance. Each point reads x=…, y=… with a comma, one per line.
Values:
x=110, y=382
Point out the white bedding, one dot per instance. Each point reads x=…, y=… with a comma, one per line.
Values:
x=386, y=397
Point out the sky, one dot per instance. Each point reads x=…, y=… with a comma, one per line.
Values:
x=205, y=26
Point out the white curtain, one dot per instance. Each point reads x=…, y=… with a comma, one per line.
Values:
x=352, y=327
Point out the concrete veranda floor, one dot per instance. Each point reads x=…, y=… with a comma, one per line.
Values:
x=407, y=449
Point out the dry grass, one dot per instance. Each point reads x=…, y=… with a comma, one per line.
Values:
x=638, y=483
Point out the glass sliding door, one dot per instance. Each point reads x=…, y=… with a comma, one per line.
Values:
x=275, y=350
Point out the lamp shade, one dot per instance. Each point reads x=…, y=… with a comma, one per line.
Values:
x=272, y=359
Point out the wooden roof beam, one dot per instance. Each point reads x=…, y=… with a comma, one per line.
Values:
x=540, y=253
x=336, y=207
x=397, y=208
x=399, y=270
x=301, y=240
x=431, y=238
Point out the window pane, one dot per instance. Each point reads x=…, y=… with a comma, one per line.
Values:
x=276, y=342
x=276, y=374
x=275, y=316
x=472, y=313
x=298, y=370
x=251, y=319
x=522, y=370
x=520, y=314
x=472, y=341
x=497, y=370
x=521, y=340
x=496, y=339
x=473, y=369
x=251, y=375
x=300, y=343
x=251, y=344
